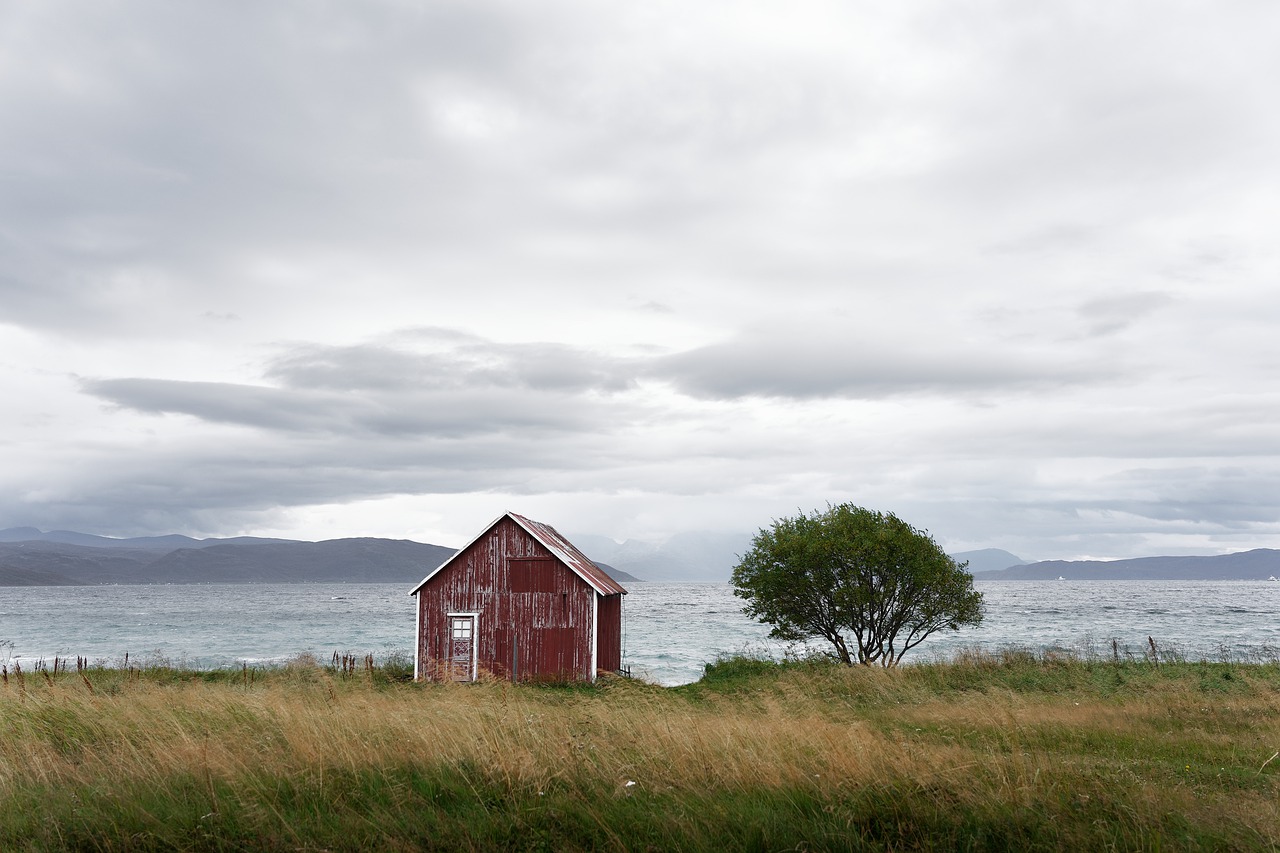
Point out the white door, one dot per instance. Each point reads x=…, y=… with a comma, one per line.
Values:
x=462, y=648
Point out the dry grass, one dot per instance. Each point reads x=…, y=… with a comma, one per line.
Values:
x=528, y=738
x=790, y=756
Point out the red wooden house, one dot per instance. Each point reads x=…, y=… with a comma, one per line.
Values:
x=520, y=602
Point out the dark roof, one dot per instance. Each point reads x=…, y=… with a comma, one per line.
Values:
x=553, y=541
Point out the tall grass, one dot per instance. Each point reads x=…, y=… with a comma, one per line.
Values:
x=987, y=752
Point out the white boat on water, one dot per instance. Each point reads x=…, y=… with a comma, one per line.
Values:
x=1273, y=577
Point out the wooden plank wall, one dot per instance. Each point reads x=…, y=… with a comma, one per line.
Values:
x=609, y=642
x=543, y=631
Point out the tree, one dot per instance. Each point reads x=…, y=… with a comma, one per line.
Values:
x=867, y=582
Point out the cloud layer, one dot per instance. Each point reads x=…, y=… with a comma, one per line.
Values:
x=326, y=270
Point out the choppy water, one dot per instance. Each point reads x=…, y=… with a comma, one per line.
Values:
x=671, y=630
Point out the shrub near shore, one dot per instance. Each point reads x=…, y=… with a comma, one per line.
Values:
x=1004, y=752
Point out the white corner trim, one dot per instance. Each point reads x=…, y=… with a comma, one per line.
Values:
x=595, y=632
x=417, y=636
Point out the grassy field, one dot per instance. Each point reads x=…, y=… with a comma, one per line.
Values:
x=1011, y=752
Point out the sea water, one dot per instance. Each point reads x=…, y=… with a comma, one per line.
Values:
x=671, y=630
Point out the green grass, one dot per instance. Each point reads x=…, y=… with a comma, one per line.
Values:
x=1013, y=751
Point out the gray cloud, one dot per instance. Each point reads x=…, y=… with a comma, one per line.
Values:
x=770, y=363
x=1115, y=313
x=219, y=402
x=479, y=364
x=449, y=413
x=169, y=143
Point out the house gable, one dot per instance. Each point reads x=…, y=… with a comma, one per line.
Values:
x=551, y=539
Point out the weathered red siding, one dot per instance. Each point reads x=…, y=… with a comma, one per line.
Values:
x=609, y=634
x=535, y=614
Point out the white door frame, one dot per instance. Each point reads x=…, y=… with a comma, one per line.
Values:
x=475, y=638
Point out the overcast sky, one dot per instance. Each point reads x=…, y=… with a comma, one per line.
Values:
x=324, y=269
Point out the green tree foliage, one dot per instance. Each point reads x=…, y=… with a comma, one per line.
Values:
x=867, y=582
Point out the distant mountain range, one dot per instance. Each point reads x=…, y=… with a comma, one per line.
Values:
x=30, y=557
x=987, y=559
x=1259, y=564
x=992, y=564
